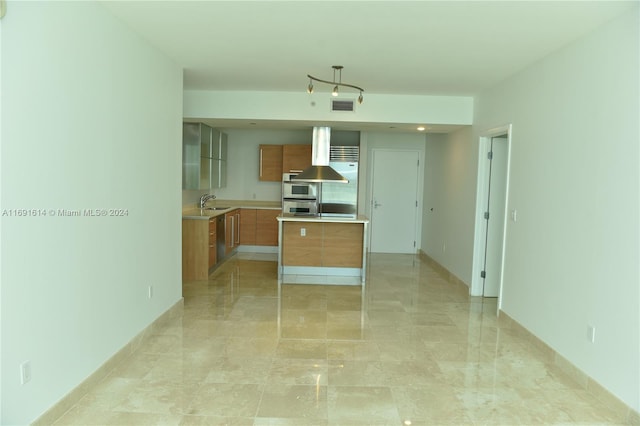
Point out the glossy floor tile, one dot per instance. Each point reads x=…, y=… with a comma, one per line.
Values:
x=410, y=348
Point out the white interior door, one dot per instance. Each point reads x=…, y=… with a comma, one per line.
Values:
x=394, y=198
x=497, y=195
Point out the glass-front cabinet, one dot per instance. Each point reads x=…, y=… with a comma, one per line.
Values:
x=204, y=157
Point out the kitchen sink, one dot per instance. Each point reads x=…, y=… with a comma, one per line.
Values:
x=216, y=208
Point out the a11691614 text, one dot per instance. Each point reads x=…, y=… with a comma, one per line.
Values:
x=65, y=212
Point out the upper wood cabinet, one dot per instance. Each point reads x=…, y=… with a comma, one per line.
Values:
x=295, y=158
x=278, y=159
x=270, y=163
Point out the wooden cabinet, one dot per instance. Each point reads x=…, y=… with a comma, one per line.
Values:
x=322, y=244
x=267, y=227
x=270, y=163
x=198, y=248
x=248, y=227
x=232, y=230
x=278, y=159
x=259, y=227
x=295, y=158
x=342, y=245
x=212, y=243
x=302, y=244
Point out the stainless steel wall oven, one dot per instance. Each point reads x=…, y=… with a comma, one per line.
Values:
x=299, y=198
x=298, y=190
x=299, y=207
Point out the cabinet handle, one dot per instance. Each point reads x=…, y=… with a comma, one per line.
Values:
x=260, y=162
x=238, y=236
x=295, y=171
x=233, y=228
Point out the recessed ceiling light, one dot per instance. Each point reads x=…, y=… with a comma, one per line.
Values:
x=421, y=129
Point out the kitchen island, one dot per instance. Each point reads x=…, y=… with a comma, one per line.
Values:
x=322, y=249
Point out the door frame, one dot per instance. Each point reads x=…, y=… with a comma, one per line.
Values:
x=482, y=192
x=419, y=193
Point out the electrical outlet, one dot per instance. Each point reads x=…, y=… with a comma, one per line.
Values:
x=514, y=215
x=150, y=292
x=303, y=232
x=591, y=333
x=25, y=372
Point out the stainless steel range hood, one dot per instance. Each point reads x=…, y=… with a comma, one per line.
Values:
x=320, y=171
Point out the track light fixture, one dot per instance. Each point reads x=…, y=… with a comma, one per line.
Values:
x=336, y=84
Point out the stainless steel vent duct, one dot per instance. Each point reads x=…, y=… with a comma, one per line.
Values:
x=320, y=170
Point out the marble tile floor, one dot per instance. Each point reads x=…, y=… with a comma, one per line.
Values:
x=411, y=349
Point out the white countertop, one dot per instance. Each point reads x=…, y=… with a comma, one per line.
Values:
x=338, y=219
x=203, y=214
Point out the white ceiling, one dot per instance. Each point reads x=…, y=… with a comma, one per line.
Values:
x=386, y=47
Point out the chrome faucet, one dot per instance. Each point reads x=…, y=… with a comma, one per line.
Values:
x=205, y=198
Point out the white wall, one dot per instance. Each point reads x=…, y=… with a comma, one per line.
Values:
x=1, y=225
x=91, y=119
x=572, y=256
x=449, y=194
x=454, y=110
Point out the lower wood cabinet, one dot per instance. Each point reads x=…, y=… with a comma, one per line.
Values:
x=198, y=248
x=251, y=227
x=212, y=243
x=267, y=227
x=232, y=230
x=342, y=245
x=322, y=244
x=302, y=248
x=248, y=227
x=259, y=227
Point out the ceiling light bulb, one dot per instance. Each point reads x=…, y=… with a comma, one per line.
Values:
x=421, y=129
x=335, y=91
x=360, y=98
x=310, y=88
